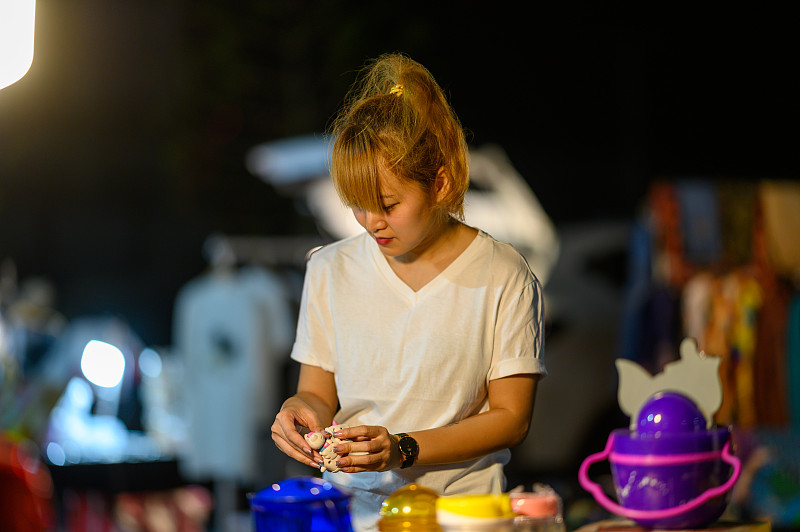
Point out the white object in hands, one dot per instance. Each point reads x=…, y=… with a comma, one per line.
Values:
x=324, y=442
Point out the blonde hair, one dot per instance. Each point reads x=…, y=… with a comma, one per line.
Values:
x=396, y=115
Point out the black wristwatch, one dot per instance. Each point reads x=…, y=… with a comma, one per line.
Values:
x=409, y=449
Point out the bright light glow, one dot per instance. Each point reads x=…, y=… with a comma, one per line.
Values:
x=56, y=454
x=150, y=363
x=103, y=364
x=16, y=39
x=78, y=395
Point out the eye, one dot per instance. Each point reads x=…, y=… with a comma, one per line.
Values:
x=388, y=208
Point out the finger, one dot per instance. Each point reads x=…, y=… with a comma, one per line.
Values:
x=349, y=446
x=370, y=455
x=360, y=432
x=286, y=438
x=360, y=462
x=303, y=454
x=300, y=443
x=288, y=424
x=358, y=438
x=291, y=451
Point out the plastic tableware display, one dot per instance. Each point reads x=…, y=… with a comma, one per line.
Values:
x=491, y=512
x=411, y=508
x=677, y=478
x=302, y=504
x=671, y=468
x=539, y=510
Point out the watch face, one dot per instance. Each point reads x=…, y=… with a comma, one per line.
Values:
x=408, y=446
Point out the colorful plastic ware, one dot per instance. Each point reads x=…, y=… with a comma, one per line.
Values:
x=410, y=509
x=301, y=504
x=671, y=468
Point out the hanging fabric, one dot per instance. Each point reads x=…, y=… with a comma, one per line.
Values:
x=793, y=361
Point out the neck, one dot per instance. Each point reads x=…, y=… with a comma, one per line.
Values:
x=439, y=243
x=418, y=268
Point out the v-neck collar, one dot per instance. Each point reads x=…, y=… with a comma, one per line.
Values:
x=382, y=263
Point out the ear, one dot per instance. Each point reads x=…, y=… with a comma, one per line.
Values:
x=443, y=184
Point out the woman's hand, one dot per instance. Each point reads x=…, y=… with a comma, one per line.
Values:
x=371, y=448
x=310, y=409
x=296, y=415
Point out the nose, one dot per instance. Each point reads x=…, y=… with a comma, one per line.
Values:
x=374, y=221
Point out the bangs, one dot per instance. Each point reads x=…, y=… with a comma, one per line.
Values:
x=354, y=170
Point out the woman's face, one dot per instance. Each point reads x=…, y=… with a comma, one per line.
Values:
x=408, y=223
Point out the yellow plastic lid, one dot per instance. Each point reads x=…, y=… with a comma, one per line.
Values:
x=490, y=505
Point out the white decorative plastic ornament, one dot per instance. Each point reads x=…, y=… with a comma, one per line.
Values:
x=695, y=375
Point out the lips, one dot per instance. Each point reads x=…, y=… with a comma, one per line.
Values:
x=382, y=241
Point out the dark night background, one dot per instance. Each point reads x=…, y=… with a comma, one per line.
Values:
x=123, y=148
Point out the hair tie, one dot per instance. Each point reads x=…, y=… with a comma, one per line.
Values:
x=397, y=90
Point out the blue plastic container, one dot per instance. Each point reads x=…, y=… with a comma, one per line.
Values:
x=302, y=504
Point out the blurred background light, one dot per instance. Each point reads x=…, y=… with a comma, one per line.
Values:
x=55, y=454
x=150, y=363
x=16, y=39
x=103, y=364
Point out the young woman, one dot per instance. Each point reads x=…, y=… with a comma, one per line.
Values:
x=422, y=335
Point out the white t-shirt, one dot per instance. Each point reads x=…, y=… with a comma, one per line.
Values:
x=411, y=361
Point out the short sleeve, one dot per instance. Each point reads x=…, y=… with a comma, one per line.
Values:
x=312, y=344
x=519, y=331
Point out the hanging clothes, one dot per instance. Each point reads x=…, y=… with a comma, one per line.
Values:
x=717, y=343
x=736, y=214
x=780, y=204
x=729, y=250
x=232, y=330
x=669, y=263
x=637, y=293
x=743, y=342
x=695, y=303
x=770, y=391
x=793, y=361
x=699, y=221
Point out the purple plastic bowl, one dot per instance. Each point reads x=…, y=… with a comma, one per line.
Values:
x=672, y=481
x=670, y=472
